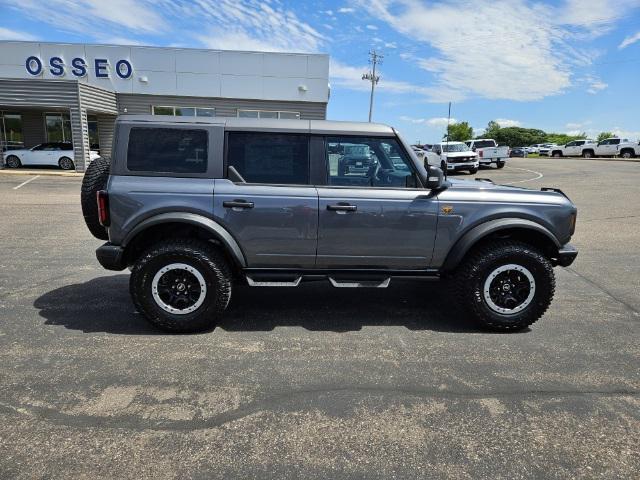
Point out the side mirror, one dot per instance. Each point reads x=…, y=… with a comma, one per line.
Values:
x=434, y=180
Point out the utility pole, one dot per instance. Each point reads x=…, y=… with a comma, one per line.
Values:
x=374, y=60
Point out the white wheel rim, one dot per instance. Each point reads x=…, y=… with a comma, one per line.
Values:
x=489, y=283
x=171, y=309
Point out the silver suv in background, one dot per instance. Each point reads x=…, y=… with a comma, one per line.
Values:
x=195, y=206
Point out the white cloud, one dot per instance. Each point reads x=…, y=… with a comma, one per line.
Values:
x=631, y=39
x=346, y=10
x=505, y=122
x=512, y=58
x=371, y=27
x=594, y=84
x=254, y=25
x=577, y=126
x=8, y=34
x=350, y=77
x=89, y=15
x=441, y=121
x=390, y=45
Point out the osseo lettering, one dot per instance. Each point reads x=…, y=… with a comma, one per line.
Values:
x=78, y=67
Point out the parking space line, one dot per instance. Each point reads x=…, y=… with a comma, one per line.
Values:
x=25, y=182
x=539, y=175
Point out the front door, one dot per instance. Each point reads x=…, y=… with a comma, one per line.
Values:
x=375, y=218
x=267, y=201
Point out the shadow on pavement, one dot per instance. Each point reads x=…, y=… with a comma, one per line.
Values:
x=103, y=305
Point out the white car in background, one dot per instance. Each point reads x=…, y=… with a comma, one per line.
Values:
x=456, y=156
x=545, y=150
x=427, y=156
x=52, y=153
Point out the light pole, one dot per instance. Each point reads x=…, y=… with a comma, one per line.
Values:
x=374, y=60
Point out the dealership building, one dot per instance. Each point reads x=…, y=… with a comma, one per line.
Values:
x=52, y=92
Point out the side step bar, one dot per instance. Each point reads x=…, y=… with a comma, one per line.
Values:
x=360, y=283
x=341, y=283
x=256, y=283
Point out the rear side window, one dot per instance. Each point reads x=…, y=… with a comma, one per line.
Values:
x=167, y=150
x=271, y=158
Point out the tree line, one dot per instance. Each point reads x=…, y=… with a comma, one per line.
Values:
x=515, y=136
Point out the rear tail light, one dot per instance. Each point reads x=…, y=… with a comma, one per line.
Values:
x=480, y=153
x=103, y=208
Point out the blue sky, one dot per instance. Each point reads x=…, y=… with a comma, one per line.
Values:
x=565, y=65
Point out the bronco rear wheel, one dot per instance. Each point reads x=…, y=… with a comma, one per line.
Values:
x=181, y=285
x=506, y=285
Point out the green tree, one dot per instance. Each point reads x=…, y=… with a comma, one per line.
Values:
x=459, y=132
x=563, y=138
x=492, y=130
x=603, y=135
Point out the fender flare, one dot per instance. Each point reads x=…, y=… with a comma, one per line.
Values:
x=192, y=219
x=470, y=238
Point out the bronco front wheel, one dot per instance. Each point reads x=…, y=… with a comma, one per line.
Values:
x=506, y=285
x=181, y=285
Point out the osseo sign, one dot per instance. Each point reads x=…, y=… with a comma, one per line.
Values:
x=78, y=67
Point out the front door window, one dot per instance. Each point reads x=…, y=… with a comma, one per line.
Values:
x=367, y=162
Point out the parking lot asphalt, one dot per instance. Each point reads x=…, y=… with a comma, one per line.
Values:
x=317, y=382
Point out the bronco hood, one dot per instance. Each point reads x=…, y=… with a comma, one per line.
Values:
x=486, y=190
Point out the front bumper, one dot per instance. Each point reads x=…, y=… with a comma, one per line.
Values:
x=567, y=253
x=462, y=166
x=111, y=257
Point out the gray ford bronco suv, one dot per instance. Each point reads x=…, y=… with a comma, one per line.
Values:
x=193, y=206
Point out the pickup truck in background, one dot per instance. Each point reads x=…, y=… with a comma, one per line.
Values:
x=577, y=148
x=617, y=147
x=609, y=147
x=455, y=156
x=489, y=152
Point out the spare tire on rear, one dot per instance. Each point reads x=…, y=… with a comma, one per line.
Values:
x=95, y=179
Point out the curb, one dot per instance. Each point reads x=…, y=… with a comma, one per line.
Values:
x=50, y=173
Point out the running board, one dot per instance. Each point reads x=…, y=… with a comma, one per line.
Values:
x=360, y=283
x=256, y=283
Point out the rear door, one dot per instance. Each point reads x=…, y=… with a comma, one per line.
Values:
x=376, y=219
x=267, y=200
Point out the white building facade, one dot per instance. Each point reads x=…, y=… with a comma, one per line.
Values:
x=51, y=92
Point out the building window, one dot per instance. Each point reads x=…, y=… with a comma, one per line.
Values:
x=11, y=131
x=94, y=139
x=268, y=114
x=170, y=150
x=183, y=111
x=270, y=158
x=58, y=126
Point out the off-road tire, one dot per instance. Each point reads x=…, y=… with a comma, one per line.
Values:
x=13, y=162
x=473, y=171
x=627, y=154
x=200, y=255
x=500, y=164
x=587, y=154
x=556, y=154
x=470, y=278
x=95, y=179
x=66, y=163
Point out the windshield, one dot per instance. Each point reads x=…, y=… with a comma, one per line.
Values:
x=454, y=147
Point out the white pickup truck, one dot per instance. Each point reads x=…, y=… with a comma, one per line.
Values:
x=578, y=148
x=619, y=147
x=489, y=152
x=586, y=148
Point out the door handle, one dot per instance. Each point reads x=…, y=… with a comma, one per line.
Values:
x=237, y=204
x=342, y=208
